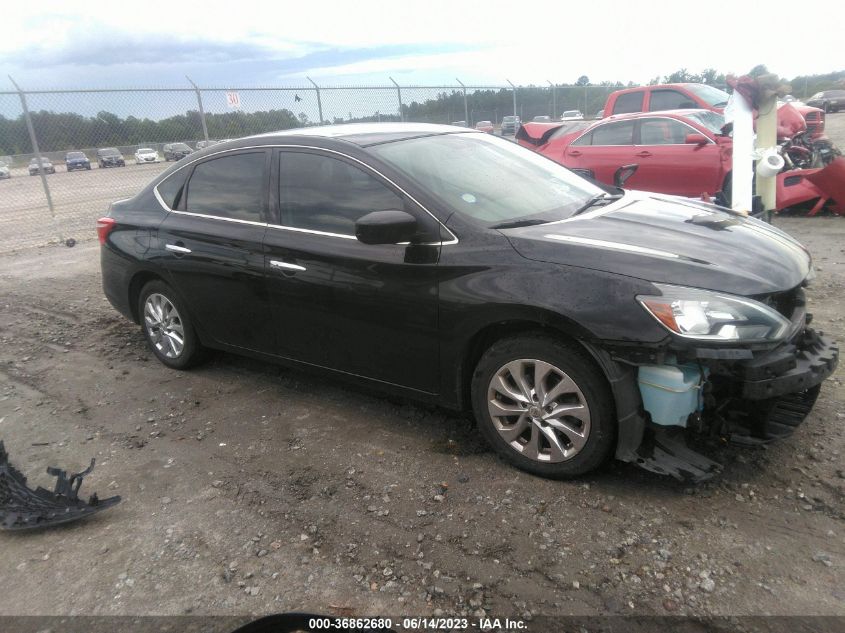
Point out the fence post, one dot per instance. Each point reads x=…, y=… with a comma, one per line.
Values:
x=34, y=141
x=514, y=95
x=202, y=112
x=319, y=100
x=466, y=107
x=399, y=94
x=554, y=99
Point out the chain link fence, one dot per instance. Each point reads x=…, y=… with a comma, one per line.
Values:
x=97, y=146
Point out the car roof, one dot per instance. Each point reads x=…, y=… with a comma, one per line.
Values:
x=363, y=134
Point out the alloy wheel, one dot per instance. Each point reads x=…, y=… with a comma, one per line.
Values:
x=164, y=326
x=538, y=410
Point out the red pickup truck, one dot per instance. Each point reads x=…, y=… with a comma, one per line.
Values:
x=683, y=96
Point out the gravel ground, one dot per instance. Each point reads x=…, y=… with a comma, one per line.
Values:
x=250, y=489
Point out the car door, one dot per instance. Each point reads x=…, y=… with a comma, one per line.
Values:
x=368, y=310
x=603, y=149
x=667, y=164
x=211, y=246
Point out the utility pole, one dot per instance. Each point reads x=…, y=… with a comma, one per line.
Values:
x=554, y=100
x=514, y=95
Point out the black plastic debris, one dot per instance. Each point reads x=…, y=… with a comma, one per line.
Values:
x=24, y=509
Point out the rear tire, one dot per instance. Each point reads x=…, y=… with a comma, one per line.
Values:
x=544, y=406
x=167, y=327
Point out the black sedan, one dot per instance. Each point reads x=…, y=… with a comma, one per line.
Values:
x=110, y=157
x=176, y=151
x=457, y=268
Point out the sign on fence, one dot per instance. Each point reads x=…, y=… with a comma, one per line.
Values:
x=233, y=100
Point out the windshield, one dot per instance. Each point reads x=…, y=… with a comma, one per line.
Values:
x=710, y=95
x=145, y=150
x=109, y=151
x=75, y=155
x=488, y=179
x=509, y=119
x=180, y=146
x=571, y=113
x=43, y=160
x=713, y=121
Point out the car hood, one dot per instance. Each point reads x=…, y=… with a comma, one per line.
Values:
x=671, y=240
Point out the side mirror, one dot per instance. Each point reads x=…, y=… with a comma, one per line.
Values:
x=386, y=227
x=621, y=175
x=695, y=139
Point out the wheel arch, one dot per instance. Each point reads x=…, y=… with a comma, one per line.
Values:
x=521, y=322
x=138, y=281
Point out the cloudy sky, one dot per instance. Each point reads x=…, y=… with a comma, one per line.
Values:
x=47, y=44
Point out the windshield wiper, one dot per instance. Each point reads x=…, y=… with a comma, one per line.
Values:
x=599, y=197
x=513, y=224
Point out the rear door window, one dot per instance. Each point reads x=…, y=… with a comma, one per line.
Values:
x=629, y=102
x=230, y=187
x=670, y=100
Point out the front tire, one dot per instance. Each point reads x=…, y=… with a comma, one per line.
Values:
x=544, y=406
x=167, y=326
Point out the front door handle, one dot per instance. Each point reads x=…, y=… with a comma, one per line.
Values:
x=286, y=265
x=643, y=154
x=574, y=152
x=175, y=248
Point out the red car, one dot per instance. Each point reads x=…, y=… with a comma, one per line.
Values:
x=678, y=152
x=484, y=126
x=673, y=96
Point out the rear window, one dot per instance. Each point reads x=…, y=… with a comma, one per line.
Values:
x=670, y=100
x=628, y=102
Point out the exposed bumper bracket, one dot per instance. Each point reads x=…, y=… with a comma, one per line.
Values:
x=22, y=508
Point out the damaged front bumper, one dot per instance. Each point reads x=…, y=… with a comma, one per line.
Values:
x=744, y=396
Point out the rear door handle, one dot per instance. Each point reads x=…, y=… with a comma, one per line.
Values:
x=286, y=265
x=176, y=248
x=643, y=154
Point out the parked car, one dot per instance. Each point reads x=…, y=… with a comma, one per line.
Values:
x=459, y=123
x=484, y=126
x=203, y=144
x=828, y=100
x=5, y=171
x=678, y=152
x=541, y=118
x=48, y=166
x=176, y=151
x=576, y=322
x=689, y=95
x=572, y=115
x=510, y=125
x=146, y=155
x=599, y=114
x=77, y=160
x=110, y=157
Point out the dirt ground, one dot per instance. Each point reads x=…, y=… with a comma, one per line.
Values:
x=252, y=489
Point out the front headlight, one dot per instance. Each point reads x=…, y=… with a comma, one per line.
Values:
x=713, y=316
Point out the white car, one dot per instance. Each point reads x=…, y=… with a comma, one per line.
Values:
x=146, y=155
x=5, y=171
x=572, y=115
